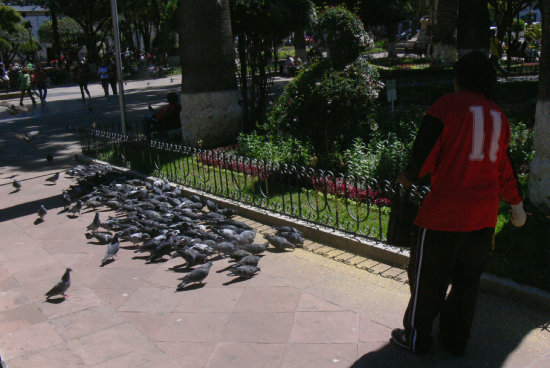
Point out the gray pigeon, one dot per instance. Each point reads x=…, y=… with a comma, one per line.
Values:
x=62, y=286
x=96, y=223
x=53, y=178
x=112, y=250
x=67, y=201
x=279, y=242
x=254, y=248
x=41, y=212
x=102, y=238
x=27, y=136
x=244, y=271
x=247, y=261
x=77, y=207
x=196, y=276
x=16, y=184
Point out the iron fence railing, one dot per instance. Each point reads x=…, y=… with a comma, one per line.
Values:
x=355, y=205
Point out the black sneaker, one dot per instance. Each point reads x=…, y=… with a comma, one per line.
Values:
x=399, y=338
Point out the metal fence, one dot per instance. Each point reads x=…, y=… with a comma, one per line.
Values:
x=356, y=205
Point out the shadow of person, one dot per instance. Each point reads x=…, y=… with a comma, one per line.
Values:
x=505, y=333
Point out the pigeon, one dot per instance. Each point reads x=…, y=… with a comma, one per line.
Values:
x=196, y=276
x=77, y=207
x=27, y=136
x=96, y=223
x=295, y=238
x=62, y=286
x=111, y=251
x=53, y=178
x=254, y=248
x=16, y=185
x=244, y=271
x=49, y=157
x=138, y=237
x=192, y=257
x=102, y=238
x=67, y=201
x=41, y=212
x=247, y=261
x=238, y=254
x=279, y=242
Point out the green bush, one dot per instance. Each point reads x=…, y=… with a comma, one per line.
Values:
x=327, y=107
x=274, y=148
x=521, y=146
x=346, y=36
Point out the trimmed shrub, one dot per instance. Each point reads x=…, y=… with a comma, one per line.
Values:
x=327, y=107
x=346, y=36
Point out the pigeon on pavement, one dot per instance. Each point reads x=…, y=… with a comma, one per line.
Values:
x=53, y=178
x=41, y=212
x=244, y=271
x=96, y=223
x=27, y=136
x=16, y=185
x=62, y=286
x=196, y=276
x=279, y=242
x=111, y=251
x=77, y=207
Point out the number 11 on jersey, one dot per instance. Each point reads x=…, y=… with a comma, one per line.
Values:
x=478, y=134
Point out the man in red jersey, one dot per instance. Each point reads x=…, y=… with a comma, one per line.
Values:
x=462, y=142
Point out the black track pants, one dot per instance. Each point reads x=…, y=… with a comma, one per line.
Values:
x=440, y=258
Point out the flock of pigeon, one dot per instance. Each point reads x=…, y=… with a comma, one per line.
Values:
x=156, y=218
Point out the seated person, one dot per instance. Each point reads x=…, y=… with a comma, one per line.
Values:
x=168, y=118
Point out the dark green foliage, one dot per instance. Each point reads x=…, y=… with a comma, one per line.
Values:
x=274, y=148
x=328, y=107
x=345, y=35
x=521, y=146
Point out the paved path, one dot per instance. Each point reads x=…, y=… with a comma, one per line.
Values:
x=303, y=310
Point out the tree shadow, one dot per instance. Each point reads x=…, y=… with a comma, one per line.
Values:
x=27, y=208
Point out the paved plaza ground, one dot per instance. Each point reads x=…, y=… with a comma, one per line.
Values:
x=303, y=310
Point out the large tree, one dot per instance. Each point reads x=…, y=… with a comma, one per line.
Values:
x=69, y=32
x=472, y=26
x=211, y=113
x=444, y=52
x=539, y=181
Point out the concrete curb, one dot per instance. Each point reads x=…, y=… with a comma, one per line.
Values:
x=352, y=244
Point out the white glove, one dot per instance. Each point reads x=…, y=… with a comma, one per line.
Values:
x=518, y=215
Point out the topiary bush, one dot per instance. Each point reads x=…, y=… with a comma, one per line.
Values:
x=345, y=35
x=328, y=107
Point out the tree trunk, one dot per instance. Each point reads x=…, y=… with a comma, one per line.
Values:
x=472, y=26
x=444, y=52
x=539, y=180
x=211, y=113
x=392, y=32
x=55, y=30
x=300, y=45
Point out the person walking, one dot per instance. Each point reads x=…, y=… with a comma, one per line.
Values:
x=41, y=81
x=103, y=72
x=112, y=76
x=25, y=85
x=495, y=49
x=462, y=142
x=82, y=76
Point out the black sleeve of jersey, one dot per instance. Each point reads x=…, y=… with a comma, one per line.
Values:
x=427, y=135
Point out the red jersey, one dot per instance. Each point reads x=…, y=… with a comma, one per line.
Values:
x=469, y=165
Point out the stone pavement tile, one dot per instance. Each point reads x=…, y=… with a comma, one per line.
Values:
x=222, y=279
x=268, y=299
x=264, y=280
x=141, y=359
x=319, y=355
x=65, y=246
x=20, y=317
x=325, y=327
x=165, y=277
x=311, y=303
x=373, y=331
x=108, y=344
x=78, y=299
x=192, y=327
x=154, y=300
x=251, y=355
x=29, y=339
x=8, y=283
x=85, y=322
x=13, y=298
x=188, y=354
x=126, y=279
x=541, y=361
x=259, y=327
x=113, y=298
x=8, y=227
x=19, y=257
x=56, y=356
x=149, y=324
x=209, y=300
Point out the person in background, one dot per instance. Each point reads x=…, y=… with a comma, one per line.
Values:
x=25, y=85
x=495, y=49
x=103, y=72
x=82, y=76
x=4, y=78
x=167, y=118
x=41, y=81
x=112, y=77
x=462, y=142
